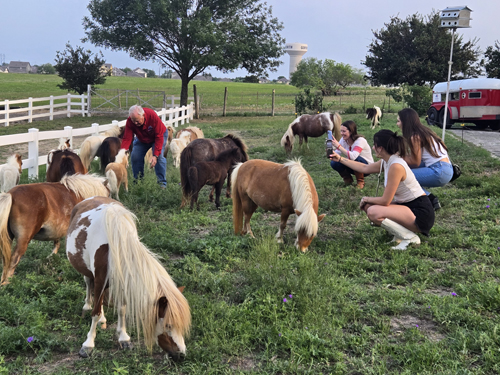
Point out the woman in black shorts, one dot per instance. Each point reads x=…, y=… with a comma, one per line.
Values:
x=404, y=209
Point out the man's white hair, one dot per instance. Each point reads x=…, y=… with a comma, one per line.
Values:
x=136, y=109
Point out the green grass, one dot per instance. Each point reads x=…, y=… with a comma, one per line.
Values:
x=355, y=303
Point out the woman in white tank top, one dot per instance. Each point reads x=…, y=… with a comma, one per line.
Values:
x=428, y=156
x=404, y=209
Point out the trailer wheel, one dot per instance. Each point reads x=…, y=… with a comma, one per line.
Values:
x=432, y=116
x=449, y=122
x=495, y=125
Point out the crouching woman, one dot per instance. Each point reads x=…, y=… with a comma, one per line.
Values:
x=404, y=209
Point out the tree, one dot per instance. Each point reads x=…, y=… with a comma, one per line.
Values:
x=327, y=76
x=416, y=51
x=151, y=73
x=189, y=36
x=492, y=63
x=77, y=68
x=46, y=69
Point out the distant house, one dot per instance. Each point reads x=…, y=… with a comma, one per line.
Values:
x=203, y=78
x=263, y=80
x=283, y=80
x=106, y=69
x=225, y=80
x=117, y=72
x=140, y=72
x=19, y=67
x=4, y=69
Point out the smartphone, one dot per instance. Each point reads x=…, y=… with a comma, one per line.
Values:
x=329, y=144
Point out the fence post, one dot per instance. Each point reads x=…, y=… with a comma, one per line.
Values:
x=95, y=129
x=389, y=106
x=33, y=154
x=272, y=110
x=68, y=106
x=7, y=105
x=170, y=117
x=172, y=99
x=191, y=110
x=163, y=110
x=51, y=110
x=364, y=101
x=196, y=108
x=30, y=110
x=89, y=100
x=164, y=99
x=176, y=116
x=82, y=101
x=183, y=116
x=225, y=102
x=69, y=131
x=257, y=106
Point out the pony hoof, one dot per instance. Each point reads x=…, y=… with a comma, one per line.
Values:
x=85, y=352
x=125, y=345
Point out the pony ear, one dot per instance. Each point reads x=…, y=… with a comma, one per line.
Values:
x=181, y=289
x=321, y=217
x=298, y=213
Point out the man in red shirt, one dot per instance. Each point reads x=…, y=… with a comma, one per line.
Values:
x=150, y=133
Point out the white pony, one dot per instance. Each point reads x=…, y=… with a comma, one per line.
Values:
x=91, y=144
x=10, y=173
x=179, y=144
x=374, y=114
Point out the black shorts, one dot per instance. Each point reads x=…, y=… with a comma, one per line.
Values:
x=424, y=213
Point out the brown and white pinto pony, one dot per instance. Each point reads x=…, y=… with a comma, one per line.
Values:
x=10, y=173
x=311, y=126
x=61, y=163
x=374, y=114
x=103, y=245
x=41, y=211
x=116, y=173
x=90, y=145
x=285, y=188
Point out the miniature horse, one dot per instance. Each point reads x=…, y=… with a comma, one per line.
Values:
x=91, y=144
x=103, y=245
x=10, y=173
x=212, y=173
x=63, y=162
x=206, y=150
x=311, y=126
x=178, y=145
x=116, y=173
x=41, y=211
x=195, y=132
x=374, y=114
x=285, y=188
x=108, y=150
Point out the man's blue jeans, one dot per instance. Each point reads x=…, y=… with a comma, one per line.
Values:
x=139, y=152
x=435, y=175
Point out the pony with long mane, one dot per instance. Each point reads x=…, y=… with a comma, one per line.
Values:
x=177, y=145
x=311, y=126
x=90, y=145
x=108, y=150
x=284, y=188
x=375, y=114
x=212, y=173
x=63, y=162
x=10, y=173
x=207, y=150
x=103, y=245
x=116, y=173
x=41, y=211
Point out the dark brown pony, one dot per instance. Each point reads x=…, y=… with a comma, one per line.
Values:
x=285, y=188
x=63, y=162
x=108, y=150
x=212, y=173
x=41, y=211
x=311, y=126
x=206, y=150
x=145, y=296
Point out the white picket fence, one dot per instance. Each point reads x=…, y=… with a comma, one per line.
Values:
x=32, y=112
x=173, y=117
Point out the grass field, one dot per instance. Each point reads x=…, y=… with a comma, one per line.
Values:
x=244, y=99
x=353, y=305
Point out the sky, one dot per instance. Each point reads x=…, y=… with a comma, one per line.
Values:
x=340, y=31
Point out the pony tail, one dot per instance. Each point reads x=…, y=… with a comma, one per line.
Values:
x=237, y=206
x=185, y=164
x=337, y=121
x=85, y=154
x=112, y=181
x=5, y=240
x=192, y=178
x=397, y=145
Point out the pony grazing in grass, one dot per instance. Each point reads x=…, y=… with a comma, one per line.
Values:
x=193, y=130
x=91, y=144
x=10, y=173
x=212, y=173
x=61, y=163
x=207, y=150
x=116, y=173
x=178, y=145
x=285, y=188
x=311, y=126
x=103, y=245
x=374, y=114
x=41, y=211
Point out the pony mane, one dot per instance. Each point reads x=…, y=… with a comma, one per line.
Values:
x=115, y=131
x=122, y=154
x=289, y=132
x=86, y=185
x=136, y=277
x=302, y=198
x=12, y=161
x=185, y=136
x=239, y=142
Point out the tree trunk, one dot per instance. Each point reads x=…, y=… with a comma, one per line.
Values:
x=184, y=89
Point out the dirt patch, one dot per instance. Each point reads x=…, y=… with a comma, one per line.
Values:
x=246, y=363
x=440, y=292
x=427, y=327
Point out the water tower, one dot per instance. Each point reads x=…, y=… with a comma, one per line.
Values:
x=296, y=51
